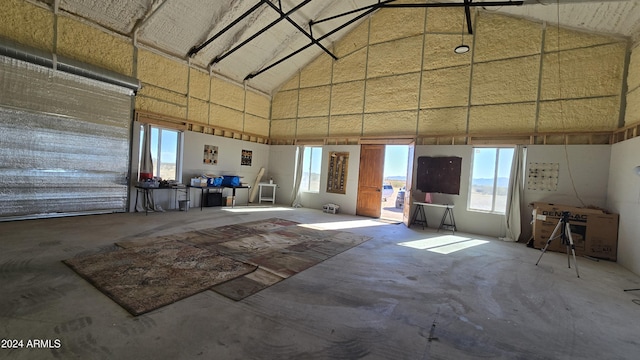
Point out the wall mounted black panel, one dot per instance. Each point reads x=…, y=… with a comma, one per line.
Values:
x=439, y=174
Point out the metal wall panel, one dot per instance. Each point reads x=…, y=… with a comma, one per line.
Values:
x=64, y=143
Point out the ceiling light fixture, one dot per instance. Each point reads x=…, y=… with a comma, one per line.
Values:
x=462, y=48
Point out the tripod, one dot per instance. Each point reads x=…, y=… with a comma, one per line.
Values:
x=565, y=235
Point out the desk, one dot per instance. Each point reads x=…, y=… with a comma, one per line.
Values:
x=149, y=200
x=220, y=188
x=273, y=193
x=447, y=221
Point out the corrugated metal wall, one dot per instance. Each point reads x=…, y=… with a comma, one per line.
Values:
x=64, y=143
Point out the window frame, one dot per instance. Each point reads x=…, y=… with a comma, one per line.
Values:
x=157, y=162
x=495, y=178
x=305, y=187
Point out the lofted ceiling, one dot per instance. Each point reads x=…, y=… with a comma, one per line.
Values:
x=265, y=42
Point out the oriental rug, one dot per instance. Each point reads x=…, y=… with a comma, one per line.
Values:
x=233, y=260
x=144, y=278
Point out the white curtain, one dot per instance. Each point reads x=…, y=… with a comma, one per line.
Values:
x=295, y=194
x=512, y=219
x=146, y=162
x=146, y=171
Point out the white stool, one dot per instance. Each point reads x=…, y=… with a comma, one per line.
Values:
x=272, y=198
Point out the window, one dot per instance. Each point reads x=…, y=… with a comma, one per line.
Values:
x=311, y=163
x=490, y=179
x=165, y=147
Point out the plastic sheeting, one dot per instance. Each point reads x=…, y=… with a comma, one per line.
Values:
x=64, y=142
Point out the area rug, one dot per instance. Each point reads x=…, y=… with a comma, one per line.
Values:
x=155, y=274
x=279, y=248
x=236, y=261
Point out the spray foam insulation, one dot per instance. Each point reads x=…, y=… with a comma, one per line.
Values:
x=438, y=52
x=164, y=95
x=292, y=83
x=354, y=40
x=580, y=70
x=285, y=105
x=98, y=48
x=391, y=24
x=198, y=111
x=633, y=79
x=506, y=75
x=199, y=83
x=595, y=114
x=347, y=98
x=505, y=81
x=491, y=118
x=160, y=107
x=256, y=125
x=226, y=117
x=227, y=94
x=395, y=57
x=345, y=125
x=445, y=87
x=570, y=39
x=392, y=93
x=632, y=113
x=389, y=123
x=162, y=72
x=449, y=20
x=443, y=121
x=37, y=33
x=283, y=129
x=314, y=126
x=316, y=73
x=351, y=67
x=502, y=37
x=258, y=104
x=314, y=101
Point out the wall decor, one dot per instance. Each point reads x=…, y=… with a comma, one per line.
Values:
x=543, y=176
x=246, y=157
x=210, y=155
x=337, y=174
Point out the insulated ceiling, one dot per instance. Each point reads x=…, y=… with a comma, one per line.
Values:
x=182, y=27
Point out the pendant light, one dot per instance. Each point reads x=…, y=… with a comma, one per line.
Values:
x=462, y=48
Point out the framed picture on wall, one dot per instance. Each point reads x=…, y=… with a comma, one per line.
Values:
x=210, y=155
x=337, y=174
x=246, y=157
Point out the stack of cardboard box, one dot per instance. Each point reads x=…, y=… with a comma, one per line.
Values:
x=594, y=231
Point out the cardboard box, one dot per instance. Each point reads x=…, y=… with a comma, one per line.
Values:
x=594, y=232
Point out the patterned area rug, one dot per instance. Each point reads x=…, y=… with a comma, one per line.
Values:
x=233, y=260
x=279, y=248
x=144, y=278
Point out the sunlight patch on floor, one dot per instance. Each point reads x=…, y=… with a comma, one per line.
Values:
x=340, y=225
x=445, y=244
x=249, y=209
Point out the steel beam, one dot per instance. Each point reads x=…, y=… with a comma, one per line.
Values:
x=456, y=4
x=301, y=30
x=467, y=14
x=369, y=11
x=194, y=50
x=260, y=32
x=350, y=12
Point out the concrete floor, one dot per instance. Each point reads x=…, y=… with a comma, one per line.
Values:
x=380, y=300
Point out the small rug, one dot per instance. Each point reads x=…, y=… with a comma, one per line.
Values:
x=147, y=277
x=243, y=286
x=279, y=248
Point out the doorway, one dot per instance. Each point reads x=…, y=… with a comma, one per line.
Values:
x=396, y=158
x=382, y=184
